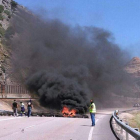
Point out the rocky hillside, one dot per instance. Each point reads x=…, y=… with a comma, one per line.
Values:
x=133, y=67
x=7, y=9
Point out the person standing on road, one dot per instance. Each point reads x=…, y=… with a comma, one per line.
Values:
x=29, y=107
x=22, y=108
x=14, y=107
x=92, y=110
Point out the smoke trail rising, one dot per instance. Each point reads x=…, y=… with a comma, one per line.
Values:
x=66, y=65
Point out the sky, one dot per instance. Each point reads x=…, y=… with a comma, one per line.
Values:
x=120, y=17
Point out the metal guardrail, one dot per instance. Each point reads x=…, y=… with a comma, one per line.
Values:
x=126, y=127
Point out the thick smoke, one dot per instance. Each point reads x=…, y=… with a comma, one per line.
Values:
x=66, y=65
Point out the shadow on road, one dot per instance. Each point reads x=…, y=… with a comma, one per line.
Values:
x=86, y=125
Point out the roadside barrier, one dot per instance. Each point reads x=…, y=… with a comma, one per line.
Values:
x=124, y=127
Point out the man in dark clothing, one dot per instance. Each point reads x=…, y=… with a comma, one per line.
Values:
x=14, y=107
x=29, y=107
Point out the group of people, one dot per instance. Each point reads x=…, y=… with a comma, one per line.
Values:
x=22, y=108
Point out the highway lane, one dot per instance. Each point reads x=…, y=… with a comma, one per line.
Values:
x=54, y=128
x=102, y=130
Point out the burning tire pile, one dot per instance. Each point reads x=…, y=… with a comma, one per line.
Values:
x=40, y=114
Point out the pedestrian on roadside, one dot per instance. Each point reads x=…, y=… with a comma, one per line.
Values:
x=29, y=107
x=92, y=110
x=22, y=109
x=14, y=107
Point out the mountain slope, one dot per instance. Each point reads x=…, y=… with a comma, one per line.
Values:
x=133, y=67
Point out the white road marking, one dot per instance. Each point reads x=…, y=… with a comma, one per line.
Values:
x=10, y=119
x=91, y=131
x=30, y=126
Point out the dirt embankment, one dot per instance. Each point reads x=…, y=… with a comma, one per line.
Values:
x=131, y=118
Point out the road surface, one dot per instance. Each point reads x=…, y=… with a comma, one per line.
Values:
x=55, y=128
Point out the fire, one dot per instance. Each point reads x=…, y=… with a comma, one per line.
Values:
x=67, y=112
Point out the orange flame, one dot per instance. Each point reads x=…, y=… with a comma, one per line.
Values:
x=68, y=113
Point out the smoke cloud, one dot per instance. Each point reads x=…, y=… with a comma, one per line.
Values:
x=64, y=65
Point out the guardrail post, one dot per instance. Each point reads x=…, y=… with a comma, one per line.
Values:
x=127, y=136
x=118, y=127
x=121, y=130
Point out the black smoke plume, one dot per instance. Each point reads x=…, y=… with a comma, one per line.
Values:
x=66, y=65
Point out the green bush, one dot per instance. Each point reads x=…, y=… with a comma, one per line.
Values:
x=9, y=32
x=2, y=31
x=14, y=4
x=0, y=25
x=1, y=17
x=1, y=8
x=3, y=68
x=7, y=12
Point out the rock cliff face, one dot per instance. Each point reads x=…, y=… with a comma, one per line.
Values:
x=6, y=12
x=133, y=67
x=7, y=9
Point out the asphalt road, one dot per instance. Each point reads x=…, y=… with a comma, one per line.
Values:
x=54, y=128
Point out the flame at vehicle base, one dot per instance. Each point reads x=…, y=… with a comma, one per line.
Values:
x=67, y=112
